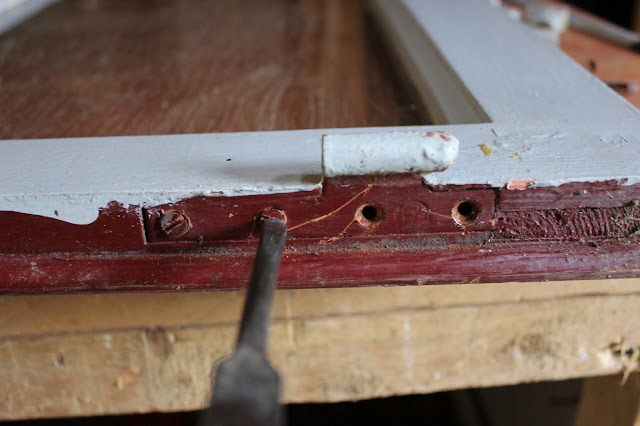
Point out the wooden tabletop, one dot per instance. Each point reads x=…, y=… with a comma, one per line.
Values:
x=139, y=68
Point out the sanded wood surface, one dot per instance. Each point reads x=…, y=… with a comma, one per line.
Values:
x=78, y=355
x=147, y=68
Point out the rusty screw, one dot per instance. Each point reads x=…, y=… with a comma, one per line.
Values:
x=175, y=223
x=273, y=213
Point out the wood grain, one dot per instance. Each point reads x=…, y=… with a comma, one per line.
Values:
x=69, y=356
x=134, y=68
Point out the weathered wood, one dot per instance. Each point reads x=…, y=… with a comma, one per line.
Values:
x=114, y=354
x=606, y=401
x=72, y=180
x=154, y=170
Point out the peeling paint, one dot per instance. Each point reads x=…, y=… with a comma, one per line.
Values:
x=520, y=184
x=72, y=179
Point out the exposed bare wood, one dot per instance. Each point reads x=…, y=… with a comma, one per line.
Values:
x=606, y=401
x=113, y=354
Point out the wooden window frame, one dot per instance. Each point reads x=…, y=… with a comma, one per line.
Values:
x=527, y=117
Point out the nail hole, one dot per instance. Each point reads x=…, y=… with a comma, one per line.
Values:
x=369, y=215
x=466, y=212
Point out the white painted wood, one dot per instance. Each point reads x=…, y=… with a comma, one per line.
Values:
x=13, y=12
x=77, y=177
x=552, y=123
x=387, y=152
x=503, y=71
x=442, y=93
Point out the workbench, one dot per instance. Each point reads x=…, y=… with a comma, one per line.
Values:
x=79, y=355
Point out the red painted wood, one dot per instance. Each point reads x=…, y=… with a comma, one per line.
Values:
x=578, y=194
x=117, y=229
x=407, y=206
x=415, y=242
x=358, y=266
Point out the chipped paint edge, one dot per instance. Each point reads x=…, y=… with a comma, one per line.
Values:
x=63, y=183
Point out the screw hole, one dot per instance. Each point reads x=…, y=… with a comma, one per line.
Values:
x=369, y=215
x=466, y=212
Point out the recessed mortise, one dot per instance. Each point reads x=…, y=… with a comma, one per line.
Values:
x=369, y=215
x=174, y=223
x=466, y=212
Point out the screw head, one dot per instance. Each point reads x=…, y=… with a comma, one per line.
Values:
x=272, y=213
x=175, y=223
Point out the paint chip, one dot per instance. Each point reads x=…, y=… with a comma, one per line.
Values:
x=520, y=184
x=486, y=149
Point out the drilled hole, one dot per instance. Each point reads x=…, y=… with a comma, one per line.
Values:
x=466, y=212
x=369, y=215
